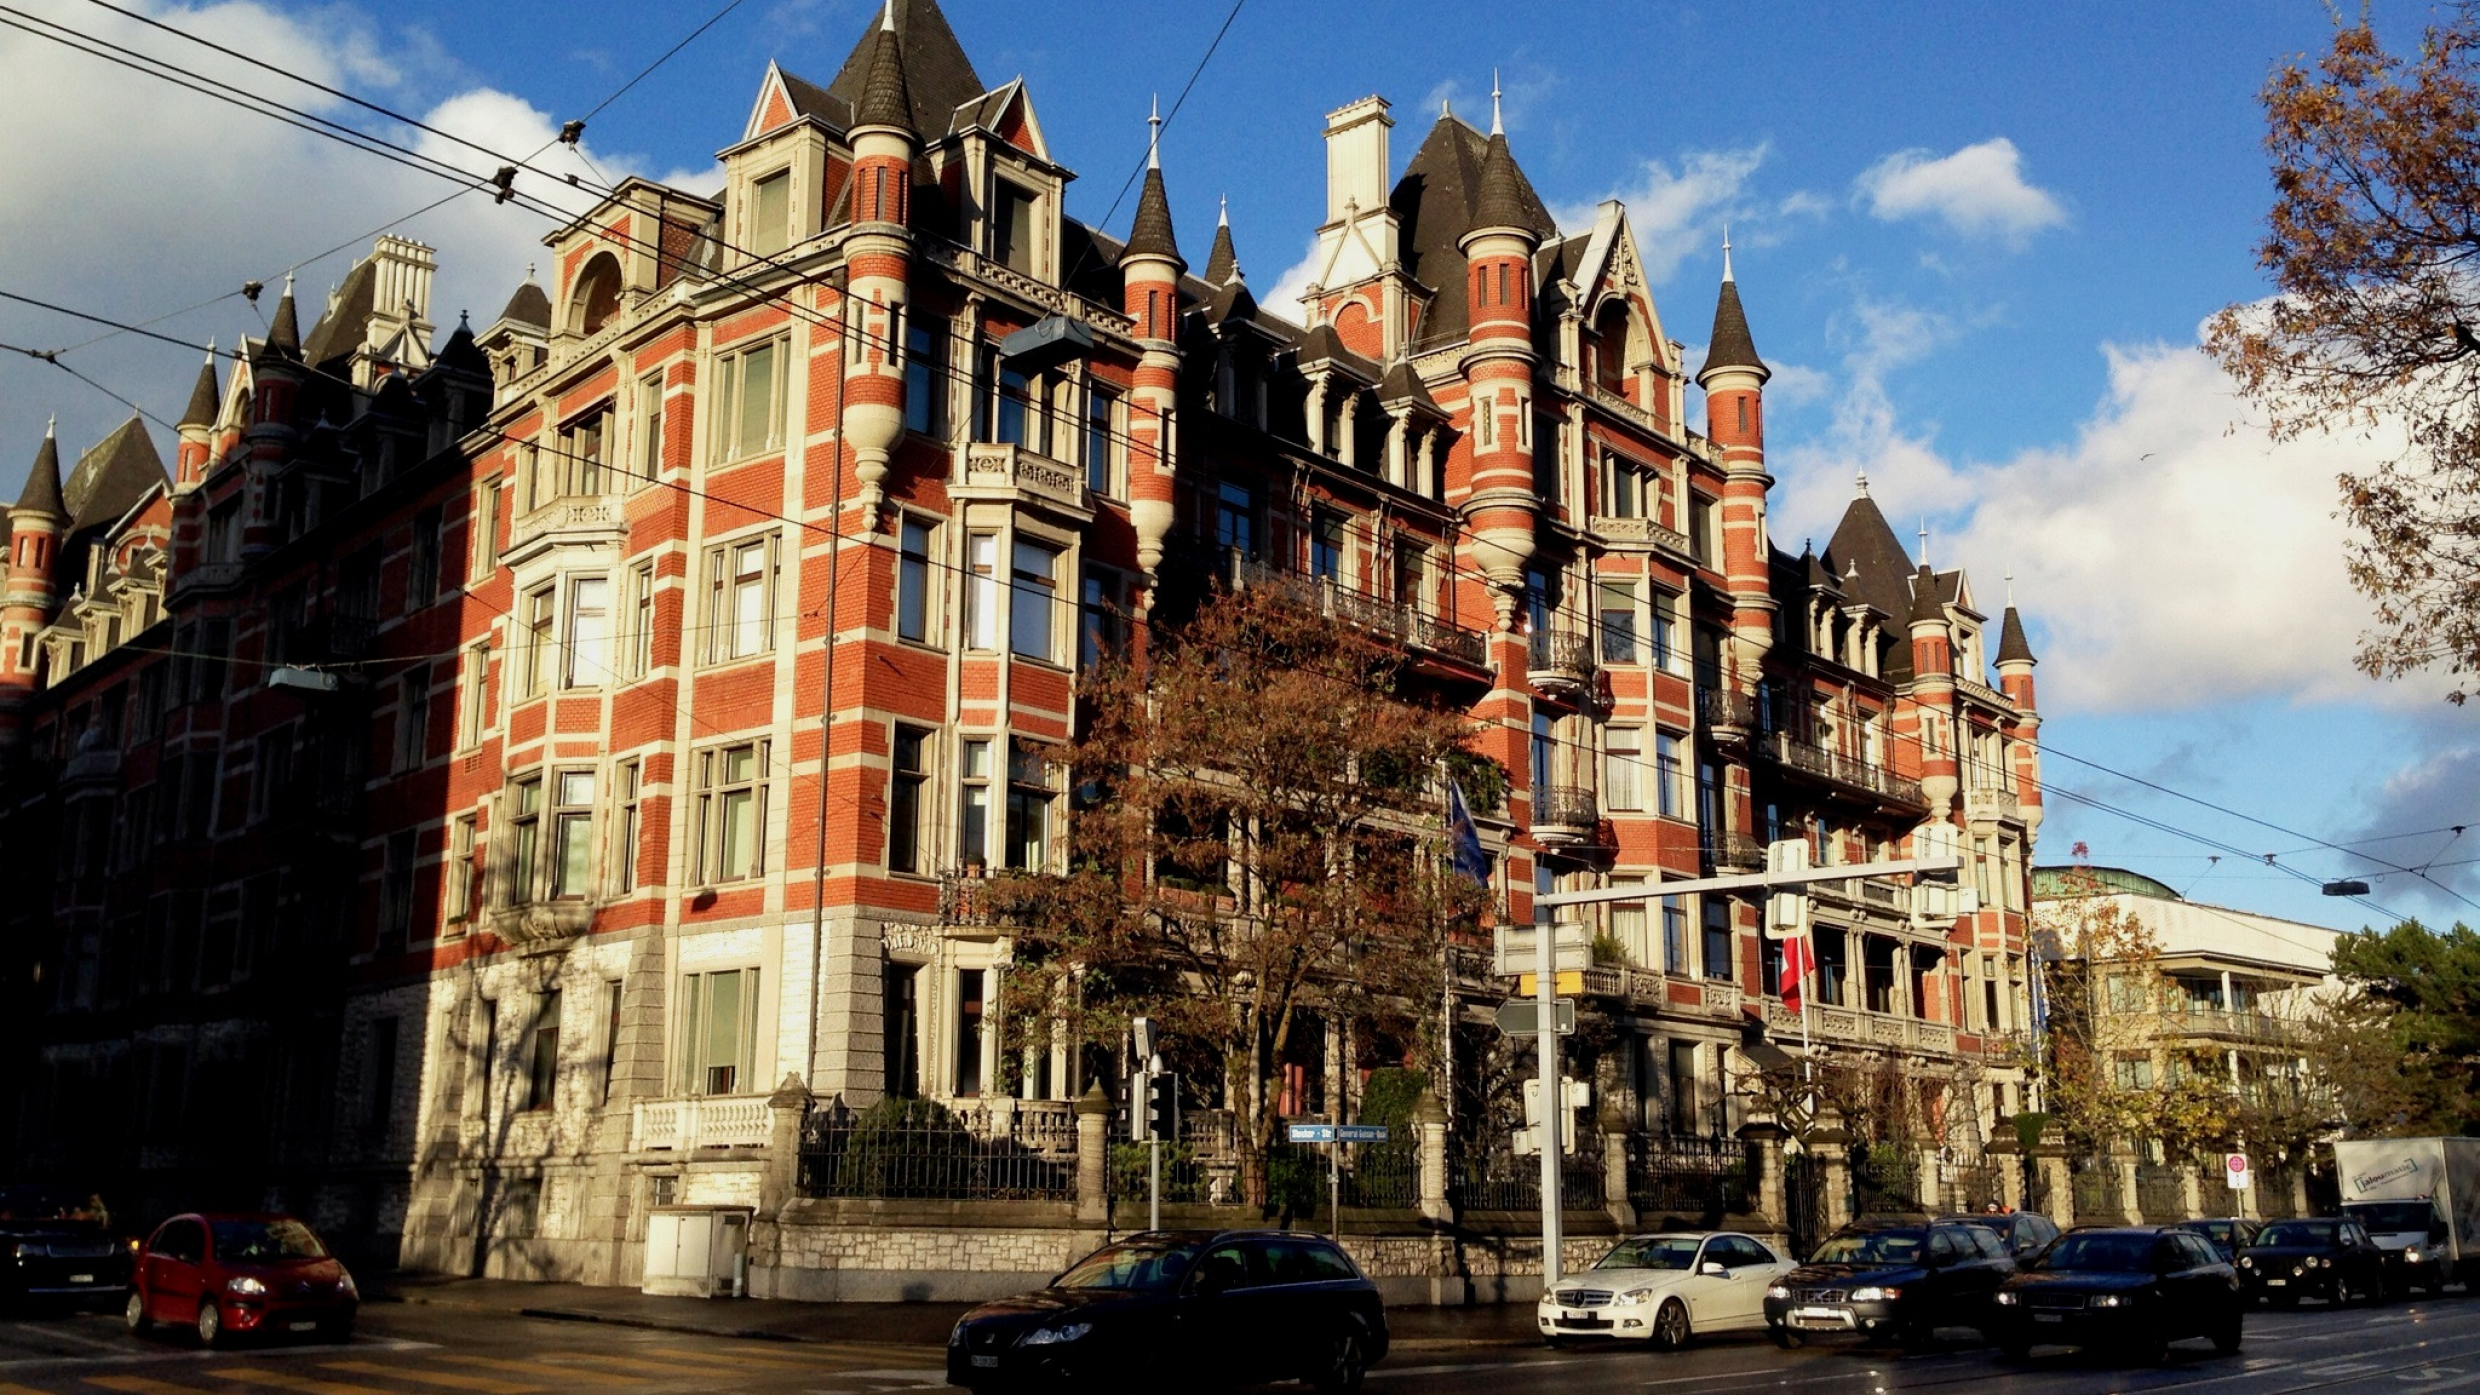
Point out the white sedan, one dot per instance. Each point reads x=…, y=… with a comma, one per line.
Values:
x=1665, y=1289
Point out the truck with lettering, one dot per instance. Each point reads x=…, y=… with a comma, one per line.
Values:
x=2419, y=1199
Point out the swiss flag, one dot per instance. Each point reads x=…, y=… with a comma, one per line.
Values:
x=1797, y=962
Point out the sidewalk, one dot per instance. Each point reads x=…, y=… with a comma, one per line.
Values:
x=894, y=1324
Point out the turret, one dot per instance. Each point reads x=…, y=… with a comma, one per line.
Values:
x=2015, y=663
x=1933, y=689
x=197, y=429
x=1150, y=268
x=1734, y=381
x=879, y=261
x=1498, y=373
x=35, y=527
x=277, y=373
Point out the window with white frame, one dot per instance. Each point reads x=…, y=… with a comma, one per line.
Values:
x=1033, y=621
x=650, y=427
x=473, y=694
x=1622, y=761
x=753, y=396
x=719, y=1032
x=589, y=632
x=464, y=887
x=1032, y=800
x=770, y=213
x=1014, y=235
x=1666, y=776
x=973, y=802
x=413, y=718
x=740, y=587
x=483, y=554
x=572, y=835
x=640, y=638
x=628, y=781
x=1616, y=602
x=524, y=839
x=1103, y=458
x=916, y=540
x=542, y=1053
x=981, y=591
x=731, y=812
x=537, y=611
x=908, y=805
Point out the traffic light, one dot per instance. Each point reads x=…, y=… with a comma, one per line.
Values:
x=1578, y=1097
x=1162, y=1106
x=1938, y=897
x=1786, y=914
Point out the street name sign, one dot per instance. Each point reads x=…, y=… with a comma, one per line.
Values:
x=1521, y=1017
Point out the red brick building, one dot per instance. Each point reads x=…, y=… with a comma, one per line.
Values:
x=426, y=773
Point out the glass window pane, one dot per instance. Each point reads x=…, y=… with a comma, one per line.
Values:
x=1031, y=625
x=981, y=594
x=757, y=399
x=913, y=582
x=739, y=832
x=720, y=1046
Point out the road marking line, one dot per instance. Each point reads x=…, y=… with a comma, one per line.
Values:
x=537, y=1368
x=789, y=1363
x=449, y=1379
x=64, y=1334
x=140, y=1385
x=661, y=1369
x=280, y=1380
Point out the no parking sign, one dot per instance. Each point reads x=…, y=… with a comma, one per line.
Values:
x=2235, y=1172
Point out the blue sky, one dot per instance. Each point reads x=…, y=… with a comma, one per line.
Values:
x=1976, y=242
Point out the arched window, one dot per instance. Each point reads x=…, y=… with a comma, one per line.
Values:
x=1610, y=348
x=596, y=296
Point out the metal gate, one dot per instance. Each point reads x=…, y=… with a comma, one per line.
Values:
x=1884, y=1177
x=1804, y=1199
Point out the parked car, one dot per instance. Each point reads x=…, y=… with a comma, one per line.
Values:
x=1890, y=1280
x=230, y=1275
x=59, y=1246
x=1665, y=1289
x=2024, y=1232
x=1240, y=1306
x=2329, y=1259
x=2133, y=1290
x=2228, y=1234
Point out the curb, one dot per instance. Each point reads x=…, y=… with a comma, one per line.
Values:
x=654, y=1324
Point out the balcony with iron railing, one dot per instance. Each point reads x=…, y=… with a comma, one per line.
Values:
x=1561, y=663
x=1734, y=852
x=1851, y=774
x=1015, y=474
x=1392, y=620
x=2223, y=1025
x=1728, y=715
x=1565, y=816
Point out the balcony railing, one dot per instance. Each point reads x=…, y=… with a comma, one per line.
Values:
x=2251, y=1027
x=1724, y=711
x=581, y=518
x=1991, y=804
x=1391, y=620
x=1850, y=772
x=1734, y=852
x=1561, y=661
x=1641, y=532
x=1850, y=1027
x=1038, y=478
x=711, y=1121
x=1565, y=815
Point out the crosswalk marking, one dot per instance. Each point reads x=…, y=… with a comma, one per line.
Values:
x=641, y=1363
x=448, y=1379
x=788, y=1363
x=139, y=1385
x=285, y=1380
x=528, y=1368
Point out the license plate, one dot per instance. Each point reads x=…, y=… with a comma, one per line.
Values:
x=81, y=1278
x=986, y=1361
x=1575, y=1317
x=302, y=1326
x=2049, y=1317
x=1819, y=1314
x=2276, y=1283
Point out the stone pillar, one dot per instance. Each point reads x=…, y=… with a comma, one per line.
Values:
x=2299, y=1196
x=1925, y=1182
x=2191, y=1190
x=1765, y=1140
x=2123, y=1164
x=787, y=1109
x=2057, y=1179
x=2007, y=1157
x=1429, y=1127
x=1615, y=1181
x=1832, y=1144
x=1093, y=1161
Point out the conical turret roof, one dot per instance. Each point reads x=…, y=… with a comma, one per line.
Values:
x=937, y=76
x=1223, y=262
x=204, y=398
x=284, y=332
x=885, y=98
x=1499, y=203
x=1927, y=605
x=1151, y=235
x=1731, y=346
x=2013, y=648
x=42, y=493
x=530, y=305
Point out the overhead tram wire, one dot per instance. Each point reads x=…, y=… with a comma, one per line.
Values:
x=1178, y=102
x=2078, y=797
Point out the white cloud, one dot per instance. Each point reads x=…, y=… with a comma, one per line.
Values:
x=1679, y=212
x=1979, y=191
x=129, y=197
x=1283, y=297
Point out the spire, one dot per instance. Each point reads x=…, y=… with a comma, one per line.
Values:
x=1731, y=345
x=1153, y=136
x=885, y=98
x=1150, y=235
x=284, y=333
x=1726, y=252
x=204, y=397
x=1498, y=125
x=2013, y=648
x=1499, y=203
x=42, y=493
x=1926, y=606
x=1924, y=542
x=1223, y=263
x=1860, y=485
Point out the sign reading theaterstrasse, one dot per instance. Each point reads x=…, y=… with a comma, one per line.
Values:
x=1337, y=1133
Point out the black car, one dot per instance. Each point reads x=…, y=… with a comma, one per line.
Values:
x=1895, y=1281
x=2024, y=1232
x=2228, y=1234
x=1240, y=1307
x=2134, y=1290
x=2329, y=1259
x=59, y=1246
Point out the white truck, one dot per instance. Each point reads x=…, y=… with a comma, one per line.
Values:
x=2419, y=1199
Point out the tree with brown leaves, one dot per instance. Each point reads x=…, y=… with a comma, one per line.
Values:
x=2376, y=319
x=1258, y=851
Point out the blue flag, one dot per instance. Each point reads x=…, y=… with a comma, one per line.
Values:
x=2040, y=998
x=1467, y=856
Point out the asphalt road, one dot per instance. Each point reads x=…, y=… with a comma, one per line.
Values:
x=408, y=1349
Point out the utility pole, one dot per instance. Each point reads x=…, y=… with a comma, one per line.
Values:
x=1553, y=1101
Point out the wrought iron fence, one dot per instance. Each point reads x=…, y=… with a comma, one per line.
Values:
x=1804, y=1199
x=2096, y=1193
x=1970, y=1183
x=1884, y=1177
x=1699, y=1179
x=2160, y=1195
x=1206, y=1168
x=1491, y=1176
x=915, y=1150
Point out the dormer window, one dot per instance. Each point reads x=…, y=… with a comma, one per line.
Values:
x=597, y=295
x=770, y=213
x=1013, y=242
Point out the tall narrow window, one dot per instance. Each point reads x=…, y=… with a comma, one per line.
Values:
x=640, y=647
x=1618, y=621
x=589, y=632
x=1235, y=519
x=969, y=989
x=413, y=718
x=473, y=716
x=1029, y=801
x=1412, y=576
x=900, y=1028
x=1718, y=939
x=1326, y=548
x=732, y=812
x=741, y=583
x=973, y=809
x=581, y=454
x=525, y=839
x=422, y=570
x=1012, y=409
x=396, y=890
x=753, y=381
x=1101, y=442
x=981, y=591
x=913, y=581
x=539, y=610
x=1033, y=625
x=485, y=526
x=908, y=779
x=925, y=375
x=1622, y=762
x=1666, y=781
x=464, y=887
x=1623, y=500
x=770, y=213
x=1012, y=233
x=1103, y=633
x=1674, y=936
x=719, y=1042
x=628, y=780
x=542, y=1053
x=612, y=990
x=572, y=834
x=650, y=427
x=1665, y=634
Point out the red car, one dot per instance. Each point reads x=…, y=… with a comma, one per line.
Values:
x=227, y=1275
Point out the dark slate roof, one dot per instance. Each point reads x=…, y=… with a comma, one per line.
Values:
x=1500, y=200
x=1731, y=346
x=461, y=354
x=1434, y=203
x=284, y=332
x=1927, y=604
x=204, y=399
x=809, y=99
x=884, y=100
x=1150, y=235
x=2012, y=646
x=1401, y=384
x=42, y=492
x=529, y=306
x=1820, y=575
x=1231, y=300
x=1323, y=345
x=938, y=78
x=111, y=478
x=1224, y=261
x=343, y=328
x=1865, y=542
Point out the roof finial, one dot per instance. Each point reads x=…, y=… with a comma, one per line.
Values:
x=1924, y=542
x=1446, y=105
x=1860, y=483
x=51, y=428
x=887, y=20
x=1726, y=251
x=1153, y=141
x=210, y=350
x=288, y=283
x=1497, y=126
x=529, y=271
x=2010, y=588
x=1225, y=219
